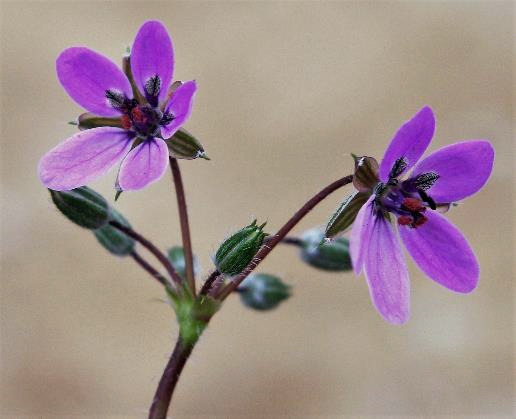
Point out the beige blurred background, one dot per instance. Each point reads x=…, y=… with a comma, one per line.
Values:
x=286, y=92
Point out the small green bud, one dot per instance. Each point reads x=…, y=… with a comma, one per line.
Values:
x=83, y=206
x=263, y=292
x=328, y=255
x=113, y=239
x=239, y=249
x=183, y=145
x=345, y=214
x=176, y=255
x=365, y=177
x=88, y=120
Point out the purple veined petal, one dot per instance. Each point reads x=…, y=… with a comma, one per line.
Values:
x=83, y=157
x=409, y=142
x=180, y=106
x=360, y=235
x=441, y=252
x=144, y=165
x=463, y=169
x=387, y=274
x=87, y=75
x=152, y=55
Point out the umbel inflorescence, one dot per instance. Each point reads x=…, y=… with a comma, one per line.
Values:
x=135, y=116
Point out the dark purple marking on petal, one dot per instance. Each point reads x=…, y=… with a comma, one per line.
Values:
x=360, y=235
x=87, y=75
x=144, y=165
x=387, y=274
x=152, y=55
x=409, y=142
x=463, y=169
x=83, y=157
x=441, y=252
x=180, y=107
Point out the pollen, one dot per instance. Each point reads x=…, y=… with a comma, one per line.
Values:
x=413, y=204
x=404, y=220
x=138, y=116
x=420, y=221
x=126, y=122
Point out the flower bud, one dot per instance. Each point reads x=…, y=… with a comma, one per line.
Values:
x=366, y=173
x=263, y=292
x=238, y=250
x=345, y=214
x=183, y=145
x=88, y=120
x=176, y=255
x=83, y=206
x=115, y=241
x=328, y=255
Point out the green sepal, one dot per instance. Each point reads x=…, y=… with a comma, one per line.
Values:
x=183, y=145
x=263, y=292
x=365, y=177
x=83, y=206
x=176, y=255
x=89, y=120
x=345, y=214
x=113, y=239
x=328, y=255
x=235, y=253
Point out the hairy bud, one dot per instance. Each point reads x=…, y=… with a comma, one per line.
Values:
x=239, y=249
x=327, y=255
x=115, y=241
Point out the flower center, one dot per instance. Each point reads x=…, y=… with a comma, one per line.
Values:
x=407, y=199
x=145, y=120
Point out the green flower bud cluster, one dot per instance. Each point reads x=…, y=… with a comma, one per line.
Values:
x=86, y=208
x=236, y=252
x=263, y=291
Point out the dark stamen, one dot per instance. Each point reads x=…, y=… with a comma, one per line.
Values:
x=425, y=181
x=116, y=99
x=398, y=168
x=424, y=196
x=153, y=86
x=166, y=119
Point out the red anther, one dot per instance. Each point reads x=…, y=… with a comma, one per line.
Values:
x=126, y=122
x=420, y=221
x=405, y=220
x=138, y=116
x=413, y=204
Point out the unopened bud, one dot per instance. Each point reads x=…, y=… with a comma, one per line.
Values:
x=263, y=292
x=239, y=249
x=366, y=173
x=114, y=240
x=345, y=214
x=83, y=206
x=176, y=255
x=330, y=255
x=183, y=145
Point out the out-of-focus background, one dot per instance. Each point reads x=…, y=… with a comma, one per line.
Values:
x=286, y=92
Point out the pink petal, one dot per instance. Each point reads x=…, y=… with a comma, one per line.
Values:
x=180, y=106
x=144, y=165
x=83, y=157
x=441, y=251
x=386, y=273
x=360, y=235
x=86, y=76
x=152, y=55
x=463, y=169
x=410, y=142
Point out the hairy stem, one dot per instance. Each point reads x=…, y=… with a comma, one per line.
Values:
x=148, y=267
x=281, y=234
x=169, y=379
x=183, y=220
x=151, y=248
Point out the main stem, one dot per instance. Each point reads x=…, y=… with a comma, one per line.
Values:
x=169, y=379
x=183, y=220
x=177, y=361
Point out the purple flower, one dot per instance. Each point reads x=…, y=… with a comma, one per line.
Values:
x=450, y=174
x=146, y=114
